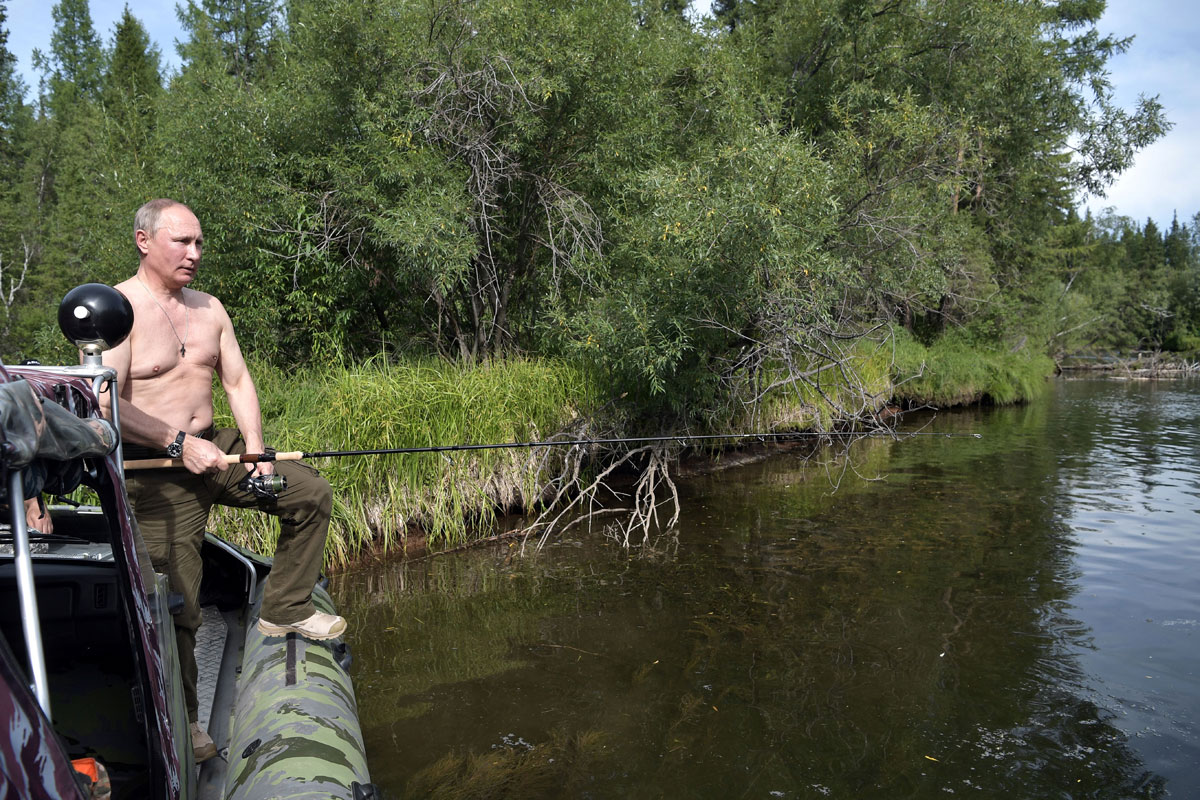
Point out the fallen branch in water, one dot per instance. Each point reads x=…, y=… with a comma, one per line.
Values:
x=573, y=503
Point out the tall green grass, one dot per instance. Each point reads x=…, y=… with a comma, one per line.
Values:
x=955, y=372
x=381, y=405
x=951, y=372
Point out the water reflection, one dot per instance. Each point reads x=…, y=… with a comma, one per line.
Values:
x=948, y=629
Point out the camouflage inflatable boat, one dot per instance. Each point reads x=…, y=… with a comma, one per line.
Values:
x=91, y=699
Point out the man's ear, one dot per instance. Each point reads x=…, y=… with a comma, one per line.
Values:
x=141, y=240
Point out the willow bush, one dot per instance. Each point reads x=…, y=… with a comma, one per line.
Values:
x=855, y=385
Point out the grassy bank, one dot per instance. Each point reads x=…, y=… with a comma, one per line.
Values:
x=905, y=372
x=955, y=373
x=379, y=501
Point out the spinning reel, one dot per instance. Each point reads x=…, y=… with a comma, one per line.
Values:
x=266, y=487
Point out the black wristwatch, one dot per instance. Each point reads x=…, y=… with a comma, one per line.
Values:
x=175, y=448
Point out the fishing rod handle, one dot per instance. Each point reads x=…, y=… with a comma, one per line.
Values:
x=246, y=458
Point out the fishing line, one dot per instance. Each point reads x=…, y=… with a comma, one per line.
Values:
x=254, y=458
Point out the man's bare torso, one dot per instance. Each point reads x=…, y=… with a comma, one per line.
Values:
x=175, y=388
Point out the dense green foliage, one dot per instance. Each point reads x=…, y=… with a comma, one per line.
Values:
x=709, y=215
x=1128, y=287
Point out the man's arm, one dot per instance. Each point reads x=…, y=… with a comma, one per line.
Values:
x=241, y=393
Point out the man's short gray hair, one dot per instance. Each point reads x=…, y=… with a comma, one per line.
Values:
x=147, y=217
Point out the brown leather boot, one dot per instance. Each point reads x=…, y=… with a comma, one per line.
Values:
x=202, y=744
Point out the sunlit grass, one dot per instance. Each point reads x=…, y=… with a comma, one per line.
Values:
x=382, y=405
x=952, y=372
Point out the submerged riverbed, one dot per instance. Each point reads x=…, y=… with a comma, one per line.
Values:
x=1016, y=616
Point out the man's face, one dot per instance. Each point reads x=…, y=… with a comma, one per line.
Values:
x=173, y=252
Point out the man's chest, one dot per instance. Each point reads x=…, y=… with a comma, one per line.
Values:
x=157, y=348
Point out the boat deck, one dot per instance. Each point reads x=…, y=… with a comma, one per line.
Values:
x=210, y=647
x=220, y=643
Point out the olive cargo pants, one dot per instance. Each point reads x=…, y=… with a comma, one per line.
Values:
x=171, y=507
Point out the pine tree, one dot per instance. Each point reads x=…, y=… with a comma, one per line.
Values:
x=240, y=31
x=132, y=84
x=1152, y=254
x=60, y=185
x=75, y=65
x=1177, y=251
x=133, y=68
x=12, y=88
x=15, y=123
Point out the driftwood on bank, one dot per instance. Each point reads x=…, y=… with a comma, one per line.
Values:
x=1144, y=365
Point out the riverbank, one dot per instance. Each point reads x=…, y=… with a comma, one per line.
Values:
x=380, y=501
x=955, y=373
x=397, y=503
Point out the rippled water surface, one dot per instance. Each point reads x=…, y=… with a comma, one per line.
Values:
x=1016, y=616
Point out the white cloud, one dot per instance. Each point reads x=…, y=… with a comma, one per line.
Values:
x=1164, y=180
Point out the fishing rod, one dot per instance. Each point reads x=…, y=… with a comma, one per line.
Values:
x=255, y=458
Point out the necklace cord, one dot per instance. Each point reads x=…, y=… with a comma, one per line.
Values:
x=187, y=318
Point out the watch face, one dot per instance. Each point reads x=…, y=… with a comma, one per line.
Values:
x=175, y=448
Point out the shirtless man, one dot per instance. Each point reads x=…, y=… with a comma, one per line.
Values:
x=180, y=339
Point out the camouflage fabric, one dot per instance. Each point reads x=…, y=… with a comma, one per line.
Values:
x=32, y=764
x=295, y=729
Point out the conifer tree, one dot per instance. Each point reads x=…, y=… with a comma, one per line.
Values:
x=133, y=68
x=132, y=88
x=74, y=67
x=12, y=88
x=15, y=122
x=60, y=185
x=1175, y=245
x=239, y=31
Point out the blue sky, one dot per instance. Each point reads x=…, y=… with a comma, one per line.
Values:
x=1164, y=61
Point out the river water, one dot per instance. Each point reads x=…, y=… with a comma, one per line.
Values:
x=1015, y=616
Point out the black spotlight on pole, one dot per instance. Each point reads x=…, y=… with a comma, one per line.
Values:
x=95, y=318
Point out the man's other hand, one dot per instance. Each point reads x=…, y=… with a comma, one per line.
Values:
x=36, y=519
